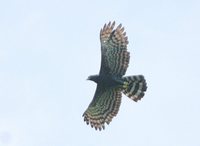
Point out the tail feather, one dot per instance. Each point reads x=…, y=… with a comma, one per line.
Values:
x=134, y=87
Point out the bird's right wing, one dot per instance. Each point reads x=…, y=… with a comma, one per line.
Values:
x=114, y=54
x=104, y=106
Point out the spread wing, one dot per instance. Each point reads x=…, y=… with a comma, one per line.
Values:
x=104, y=106
x=114, y=54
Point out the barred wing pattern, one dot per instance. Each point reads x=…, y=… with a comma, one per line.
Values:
x=104, y=106
x=114, y=54
x=110, y=83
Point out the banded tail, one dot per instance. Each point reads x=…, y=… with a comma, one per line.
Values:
x=134, y=87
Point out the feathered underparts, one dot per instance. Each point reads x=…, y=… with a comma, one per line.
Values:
x=110, y=81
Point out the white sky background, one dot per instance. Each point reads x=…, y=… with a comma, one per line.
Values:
x=48, y=48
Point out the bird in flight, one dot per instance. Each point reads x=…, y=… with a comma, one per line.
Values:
x=111, y=82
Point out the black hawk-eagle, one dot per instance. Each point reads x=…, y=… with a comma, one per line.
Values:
x=111, y=82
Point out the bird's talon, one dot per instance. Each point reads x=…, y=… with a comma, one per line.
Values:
x=125, y=85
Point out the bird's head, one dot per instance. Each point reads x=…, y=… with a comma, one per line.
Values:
x=93, y=78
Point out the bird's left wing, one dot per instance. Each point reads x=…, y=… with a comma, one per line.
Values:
x=104, y=106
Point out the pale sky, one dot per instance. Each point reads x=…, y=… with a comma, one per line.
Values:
x=48, y=49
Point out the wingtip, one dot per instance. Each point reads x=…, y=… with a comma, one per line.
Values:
x=119, y=26
x=109, y=24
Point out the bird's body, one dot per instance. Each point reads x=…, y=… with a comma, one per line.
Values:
x=107, y=81
x=110, y=81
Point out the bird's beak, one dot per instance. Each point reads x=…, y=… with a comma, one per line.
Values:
x=89, y=78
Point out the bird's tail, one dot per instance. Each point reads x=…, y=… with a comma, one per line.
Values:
x=134, y=87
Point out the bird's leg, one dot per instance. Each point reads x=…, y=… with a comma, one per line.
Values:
x=125, y=85
x=121, y=82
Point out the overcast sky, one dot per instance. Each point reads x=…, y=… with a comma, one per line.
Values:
x=48, y=49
